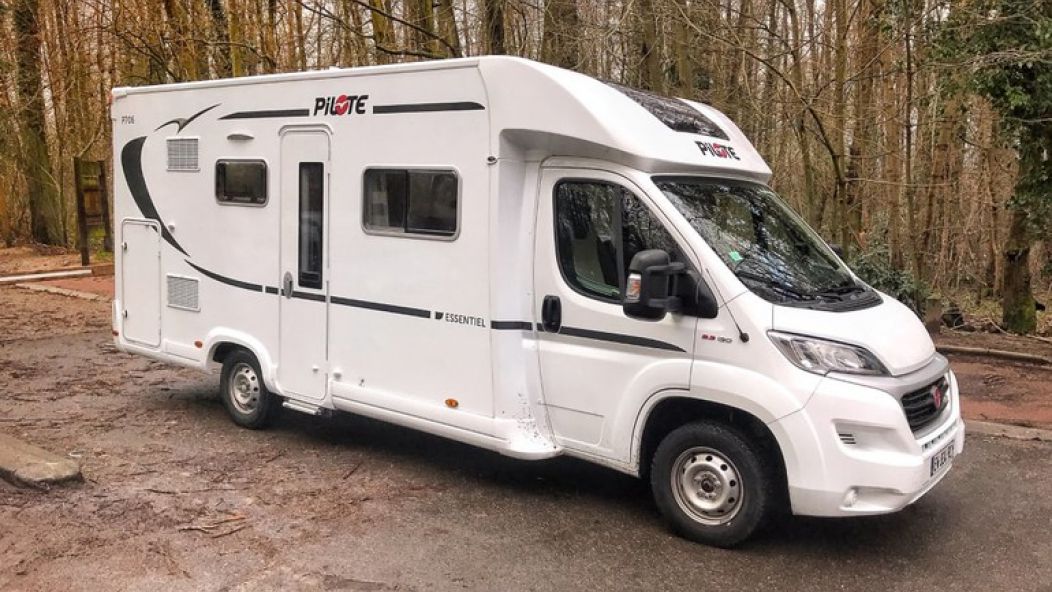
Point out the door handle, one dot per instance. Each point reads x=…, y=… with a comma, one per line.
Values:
x=286, y=285
x=552, y=314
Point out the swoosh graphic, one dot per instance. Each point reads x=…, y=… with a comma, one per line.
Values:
x=131, y=163
x=183, y=122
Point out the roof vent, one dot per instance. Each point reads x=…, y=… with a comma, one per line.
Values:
x=674, y=113
x=182, y=154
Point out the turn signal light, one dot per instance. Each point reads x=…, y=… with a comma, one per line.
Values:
x=452, y=403
x=199, y=344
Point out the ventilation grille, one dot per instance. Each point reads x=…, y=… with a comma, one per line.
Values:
x=924, y=406
x=848, y=439
x=182, y=154
x=182, y=293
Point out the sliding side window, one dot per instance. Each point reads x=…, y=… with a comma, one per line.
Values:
x=241, y=182
x=599, y=227
x=413, y=201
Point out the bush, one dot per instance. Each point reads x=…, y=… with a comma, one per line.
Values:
x=875, y=268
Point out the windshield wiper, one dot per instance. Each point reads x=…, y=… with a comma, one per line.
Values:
x=840, y=291
x=770, y=284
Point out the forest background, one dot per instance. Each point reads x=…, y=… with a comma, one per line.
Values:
x=917, y=134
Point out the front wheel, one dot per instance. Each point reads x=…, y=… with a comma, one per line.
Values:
x=244, y=394
x=711, y=485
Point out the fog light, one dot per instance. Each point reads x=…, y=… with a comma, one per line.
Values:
x=851, y=497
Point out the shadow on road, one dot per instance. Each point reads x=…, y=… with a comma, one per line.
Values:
x=568, y=480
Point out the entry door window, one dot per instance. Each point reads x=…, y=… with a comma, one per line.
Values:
x=311, y=218
x=599, y=227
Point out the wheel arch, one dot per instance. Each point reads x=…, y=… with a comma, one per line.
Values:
x=673, y=410
x=220, y=344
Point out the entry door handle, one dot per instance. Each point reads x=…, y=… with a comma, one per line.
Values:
x=286, y=285
x=552, y=314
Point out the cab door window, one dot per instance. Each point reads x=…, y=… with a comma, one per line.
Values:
x=599, y=227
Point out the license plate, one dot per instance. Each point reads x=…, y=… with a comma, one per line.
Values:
x=942, y=459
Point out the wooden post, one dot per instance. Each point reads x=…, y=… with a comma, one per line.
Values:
x=82, y=216
x=104, y=201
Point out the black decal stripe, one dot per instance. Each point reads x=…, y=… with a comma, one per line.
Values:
x=131, y=163
x=271, y=290
x=619, y=338
x=181, y=122
x=427, y=107
x=267, y=114
x=511, y=325
x=588, y=334
x=308, y=296
x=228, y=281
x=379, y=306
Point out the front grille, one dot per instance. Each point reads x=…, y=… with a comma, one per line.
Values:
x=923, y=406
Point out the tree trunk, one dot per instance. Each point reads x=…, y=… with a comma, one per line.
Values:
x=560, y=46
x=1018, y=313
x=223, y=61
x=45, y=210
x=447, y=27
x=383, y=33
x=649, y=51
x=494, y=14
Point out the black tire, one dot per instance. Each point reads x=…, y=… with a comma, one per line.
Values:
x=743, y=490
x=244, y=393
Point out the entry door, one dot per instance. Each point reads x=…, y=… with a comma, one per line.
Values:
x=592, y=356
x=141, y=281
x=304, y=179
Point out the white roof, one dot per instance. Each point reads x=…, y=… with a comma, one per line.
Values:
x=552, y=111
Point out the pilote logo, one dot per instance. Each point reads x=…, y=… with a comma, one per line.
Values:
x=717, y=150
x=341, y=105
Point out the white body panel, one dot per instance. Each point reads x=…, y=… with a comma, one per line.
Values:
x=442, y=333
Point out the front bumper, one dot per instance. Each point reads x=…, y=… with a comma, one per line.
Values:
x=850, y=450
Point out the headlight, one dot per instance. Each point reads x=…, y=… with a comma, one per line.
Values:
x=821, y=356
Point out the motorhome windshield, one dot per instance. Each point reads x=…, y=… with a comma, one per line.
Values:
x=771, y=250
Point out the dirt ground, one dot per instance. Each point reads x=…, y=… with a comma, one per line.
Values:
x=92, y=284
x=998, y=390
x=15, y=260
x=177, y=498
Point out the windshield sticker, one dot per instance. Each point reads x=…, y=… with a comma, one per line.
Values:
x=735, y=256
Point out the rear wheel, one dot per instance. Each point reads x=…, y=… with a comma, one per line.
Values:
x=711, y=484
x=244, y=394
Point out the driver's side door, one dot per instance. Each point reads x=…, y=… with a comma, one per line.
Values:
x=589, y=225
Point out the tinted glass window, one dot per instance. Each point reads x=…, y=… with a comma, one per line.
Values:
x=599, y=228
x=411, y=201
x=586, y=218
x=674, y=113
x=311, y=210
x=241, y=182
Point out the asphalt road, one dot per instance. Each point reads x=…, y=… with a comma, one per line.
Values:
x=178, y=498
x=497, y=524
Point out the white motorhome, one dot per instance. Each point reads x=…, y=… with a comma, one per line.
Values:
x=529, y=260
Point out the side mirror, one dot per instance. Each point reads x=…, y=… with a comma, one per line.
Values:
x=652, y=283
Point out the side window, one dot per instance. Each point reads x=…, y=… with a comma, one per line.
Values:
x=599, y=227
x=311, y=212
x=241, y=182
x=586, y=229
x=422, y=202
